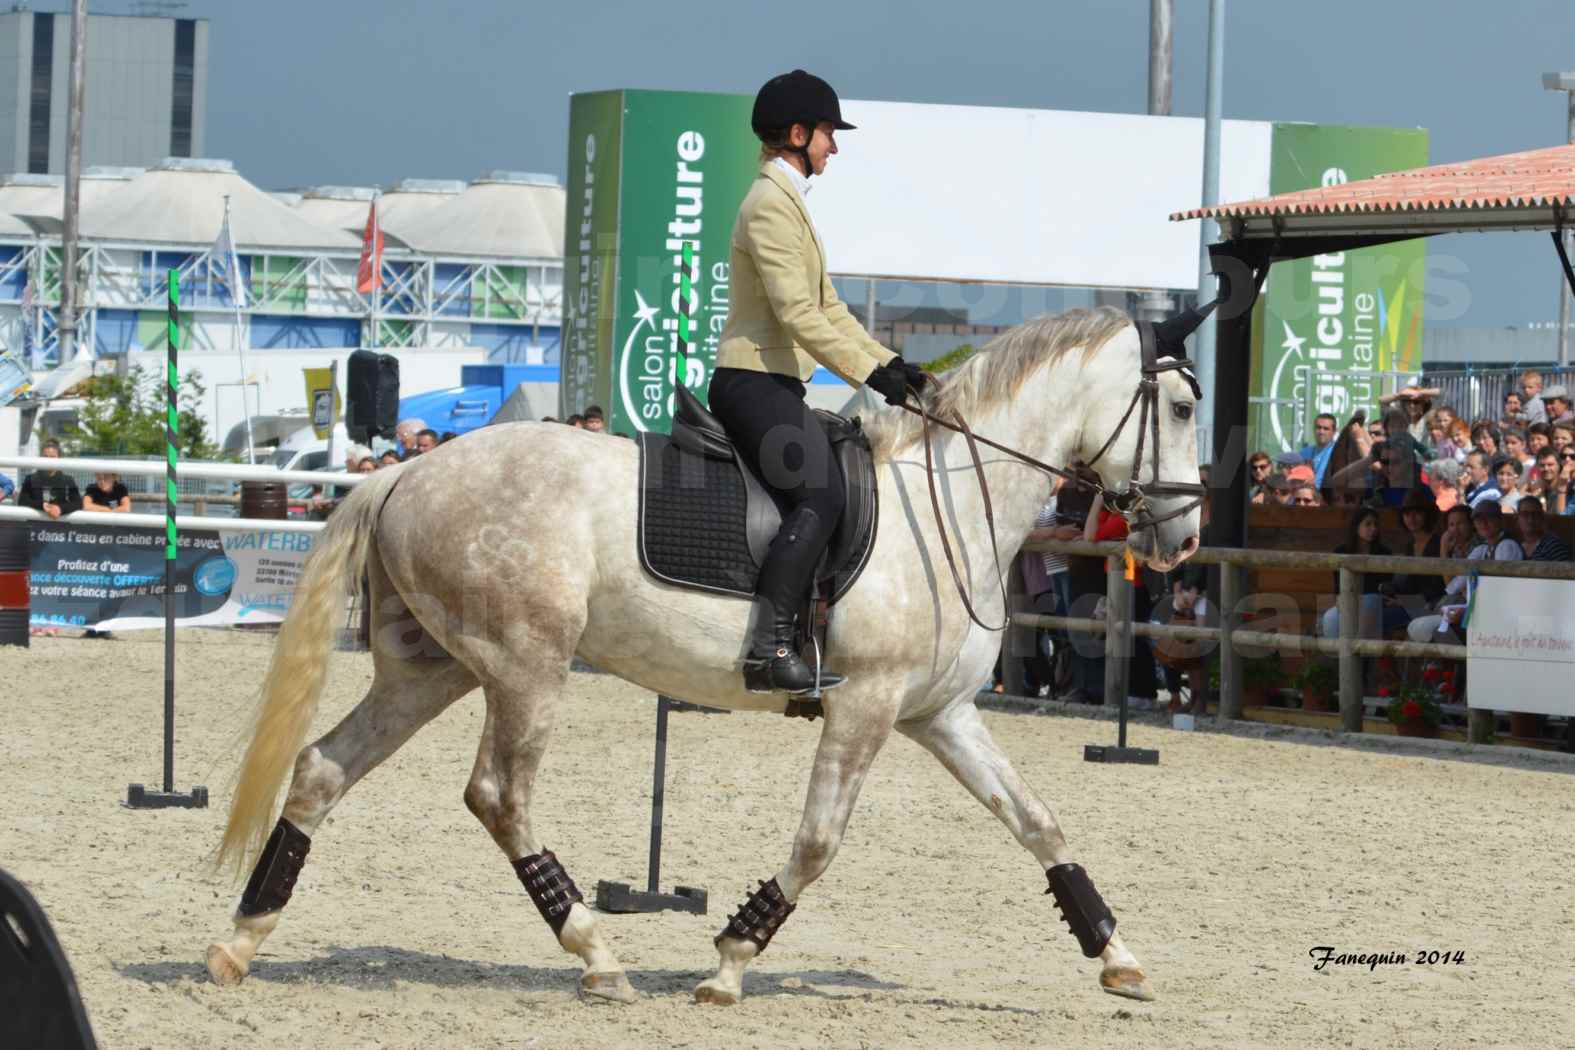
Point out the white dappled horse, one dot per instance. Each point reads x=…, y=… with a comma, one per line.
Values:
x=494, y=560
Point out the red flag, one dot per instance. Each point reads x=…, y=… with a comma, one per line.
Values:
x=370, y=273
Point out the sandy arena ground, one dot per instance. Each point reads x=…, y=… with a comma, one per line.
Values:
x=1224, y=865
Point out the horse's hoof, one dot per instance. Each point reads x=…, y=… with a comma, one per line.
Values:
x=1125, y=981
x=607, y=988
x=226, y=970
x=716, y=993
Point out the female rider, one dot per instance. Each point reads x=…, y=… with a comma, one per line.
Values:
x=783, y=319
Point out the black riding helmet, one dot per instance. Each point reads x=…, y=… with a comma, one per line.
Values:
x=795, y=98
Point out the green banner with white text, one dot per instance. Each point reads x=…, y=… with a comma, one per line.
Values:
x=685, y=161
x=1335, y=327
x=590, y=249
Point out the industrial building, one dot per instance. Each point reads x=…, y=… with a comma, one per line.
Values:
x=145, y=91
x=475, y=266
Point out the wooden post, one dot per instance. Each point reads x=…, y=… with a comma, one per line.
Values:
x=1118, y=635
x=1350, y=600
x=1230, y=660
x=1018, y=643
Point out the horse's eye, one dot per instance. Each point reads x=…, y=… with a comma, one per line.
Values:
x=1182, y=411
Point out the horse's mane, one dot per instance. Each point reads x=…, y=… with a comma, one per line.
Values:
x=994, y=374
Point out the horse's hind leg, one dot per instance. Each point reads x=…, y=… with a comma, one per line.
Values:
x=521, y=710
x=958, y=737
x=405, y=695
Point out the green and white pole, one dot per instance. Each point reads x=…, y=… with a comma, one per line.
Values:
x=171, y=453
x=138, y=796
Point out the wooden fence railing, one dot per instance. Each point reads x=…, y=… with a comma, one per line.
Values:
x=1230, y=635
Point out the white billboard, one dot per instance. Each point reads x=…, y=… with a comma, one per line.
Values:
x=1019, y=196
x=1521, y=646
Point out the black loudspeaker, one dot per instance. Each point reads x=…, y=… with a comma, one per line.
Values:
x=371, y=395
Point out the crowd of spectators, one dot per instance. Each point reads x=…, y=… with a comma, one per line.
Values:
x=1528, y=450
x=1480, y=489
x=592, y=419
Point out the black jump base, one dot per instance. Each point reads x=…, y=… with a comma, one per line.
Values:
x=139, y=797
x=1137, y=756
x=622, y=898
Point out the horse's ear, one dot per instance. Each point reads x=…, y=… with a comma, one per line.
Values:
x=1172, y=334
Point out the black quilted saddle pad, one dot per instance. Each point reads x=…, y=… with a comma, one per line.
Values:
x=692, y=520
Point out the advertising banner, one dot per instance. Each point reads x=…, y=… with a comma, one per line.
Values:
x=590, y=250
x=649, y=172
x=697, y=158
x=1332, y=324
x=1521, y=646
x=112, y=577
x=322, y=396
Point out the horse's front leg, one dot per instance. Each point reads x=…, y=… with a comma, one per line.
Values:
x=851, y=738
x=958, y=737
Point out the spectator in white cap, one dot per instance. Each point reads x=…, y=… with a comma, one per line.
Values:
x=1557, y=398
x=405, y=434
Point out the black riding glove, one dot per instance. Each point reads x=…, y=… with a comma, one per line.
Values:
x=918, y=379
x=890, y=380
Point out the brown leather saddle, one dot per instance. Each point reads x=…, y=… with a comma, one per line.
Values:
x=706, y=521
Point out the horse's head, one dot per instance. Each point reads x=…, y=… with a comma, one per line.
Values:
x=1165, y=521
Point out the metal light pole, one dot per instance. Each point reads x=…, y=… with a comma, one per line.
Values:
x=73, y=202
x=1564, y=82
x=1160, y=63
x=1156, y=306
x=1209, y=229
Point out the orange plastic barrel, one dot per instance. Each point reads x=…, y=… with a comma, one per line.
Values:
x=15, y=554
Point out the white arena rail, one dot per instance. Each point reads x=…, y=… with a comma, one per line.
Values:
x=157, y=467
x=153, y=467
x=156, y=521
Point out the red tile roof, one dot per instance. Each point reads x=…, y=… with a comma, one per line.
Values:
x=1536, y=179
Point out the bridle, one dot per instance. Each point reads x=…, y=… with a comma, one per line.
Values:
x=1131, y=499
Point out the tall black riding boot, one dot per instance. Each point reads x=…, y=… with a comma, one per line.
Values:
x=774, y=664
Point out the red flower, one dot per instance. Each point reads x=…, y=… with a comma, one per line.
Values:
x=1449, y=676
x=1411, y=709
x=1383, y=690
x=1448, y=689
x=1432, y=674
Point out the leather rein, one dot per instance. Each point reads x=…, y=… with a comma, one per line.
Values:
x=1131, y=500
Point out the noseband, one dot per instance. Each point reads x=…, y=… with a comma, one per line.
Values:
x=1130, y=500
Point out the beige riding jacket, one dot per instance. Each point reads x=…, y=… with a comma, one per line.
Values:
x=785, y=316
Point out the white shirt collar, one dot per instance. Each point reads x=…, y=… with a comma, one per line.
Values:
x=800, y=183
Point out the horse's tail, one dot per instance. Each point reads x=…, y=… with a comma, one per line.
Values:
x=299, y=667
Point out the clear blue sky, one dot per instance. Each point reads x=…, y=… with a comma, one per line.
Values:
x=356, y=91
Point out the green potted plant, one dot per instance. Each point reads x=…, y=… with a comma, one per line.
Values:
x=1319, y=682
x=1413, y=710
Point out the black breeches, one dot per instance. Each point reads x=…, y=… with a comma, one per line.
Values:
x=778, y=435
x=780, y=439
